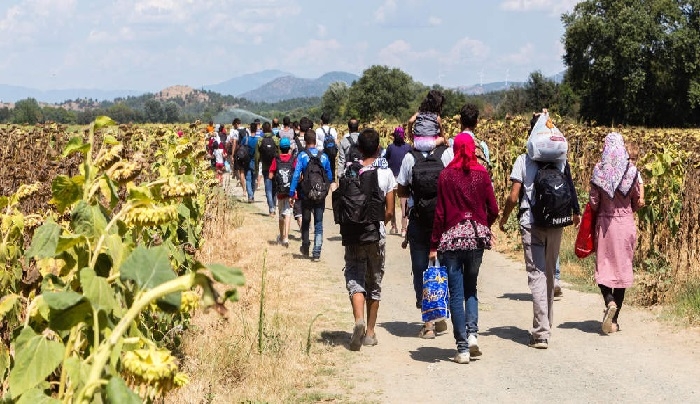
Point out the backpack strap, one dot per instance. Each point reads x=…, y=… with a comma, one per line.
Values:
x=438, y=152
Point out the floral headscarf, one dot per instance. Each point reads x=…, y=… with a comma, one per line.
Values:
x=465, y=154
x=614, y=172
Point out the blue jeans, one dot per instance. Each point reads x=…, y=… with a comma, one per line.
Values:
x=307, y=209
x=462, y=272
x=251, y=182
x=419, y=247
x=270, y=195
x=557, y=271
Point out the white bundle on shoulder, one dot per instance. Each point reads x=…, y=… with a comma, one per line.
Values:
x=546, y=143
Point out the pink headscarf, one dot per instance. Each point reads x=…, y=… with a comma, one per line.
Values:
x=614, y=172
x=465, y=154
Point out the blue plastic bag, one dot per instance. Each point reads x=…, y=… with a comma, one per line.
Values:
x=435, y=303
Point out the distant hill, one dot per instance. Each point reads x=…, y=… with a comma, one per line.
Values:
x=247, y=82
x=288, y=87
x=10, y=93
x=478, y=89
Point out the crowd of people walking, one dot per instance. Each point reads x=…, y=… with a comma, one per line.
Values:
x=447, y=207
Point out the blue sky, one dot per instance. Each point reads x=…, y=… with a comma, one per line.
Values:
x=151, y=44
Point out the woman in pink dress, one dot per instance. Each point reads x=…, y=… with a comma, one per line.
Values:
x=614, y=196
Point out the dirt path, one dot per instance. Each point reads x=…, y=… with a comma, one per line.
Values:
x=647, y=361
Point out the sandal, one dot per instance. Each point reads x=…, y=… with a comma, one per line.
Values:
x=427, y=332
x=607, y=318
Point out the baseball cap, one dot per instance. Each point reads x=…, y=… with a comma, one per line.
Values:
x=285, y=143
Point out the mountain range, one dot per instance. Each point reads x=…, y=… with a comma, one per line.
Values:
x=263, y=86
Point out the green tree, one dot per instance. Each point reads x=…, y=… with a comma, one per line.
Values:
x=381, y=91
x=171, y=112
x=514, y=102
x=5, y=114
x=153, y=111
x=335, y=99
x=540, y=92
x=59, y=114
x=27, y=111
x=122, y=113
x=635, y=62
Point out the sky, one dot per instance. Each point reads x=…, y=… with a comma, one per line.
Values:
x=148, y=45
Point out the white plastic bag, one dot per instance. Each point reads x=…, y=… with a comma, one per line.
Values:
x=546, y=143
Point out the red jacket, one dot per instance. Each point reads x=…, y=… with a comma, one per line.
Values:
x=461, y=195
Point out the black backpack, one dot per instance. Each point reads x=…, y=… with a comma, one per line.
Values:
x=242, y=154
x=353, y=153
x=552, y=197
x=424, y=179
x=358, y=205
x=314, y=183
x=268, y=150
x=330, y=147
x=283, y=175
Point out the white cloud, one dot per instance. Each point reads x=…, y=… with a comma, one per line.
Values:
x=523, y=56
x=400, y=53
x=384, y=11
x=434, y=21
x=466, y=50
x=321, y=30
x=553, y=6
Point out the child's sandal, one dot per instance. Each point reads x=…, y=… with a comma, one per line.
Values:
x=427, y=332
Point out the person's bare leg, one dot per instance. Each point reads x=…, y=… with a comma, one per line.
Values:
x=287, y=226
x=358, y=306
x=372, y=309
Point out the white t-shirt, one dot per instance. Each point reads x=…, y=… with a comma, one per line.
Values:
x=524, y=171
x=219, y=156
x=233, y=134
x=387, y=183
x=321, y=135
x=406, y=170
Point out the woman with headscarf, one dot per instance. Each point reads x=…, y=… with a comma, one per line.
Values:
x=466, y=208
x=394, y=156
x=614, y=196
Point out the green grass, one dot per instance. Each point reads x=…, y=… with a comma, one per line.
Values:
x=688, y=302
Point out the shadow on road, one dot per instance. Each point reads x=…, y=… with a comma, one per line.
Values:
x=521, y=297
x=335, y=338
x=402, y=328
x=509, y=332
x=335, y=238
x=589, y=326
x=432, y=354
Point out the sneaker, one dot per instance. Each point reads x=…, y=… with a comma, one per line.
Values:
x=358, y=333
x=285, y=243
x=461, y=357
x=538, y=343
x=441, y=326
x=557, y=291
x=370, y=340
x=316, y=258
x=304, y=251
x=403, y=233
x=607, y=325
x=473, y=345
